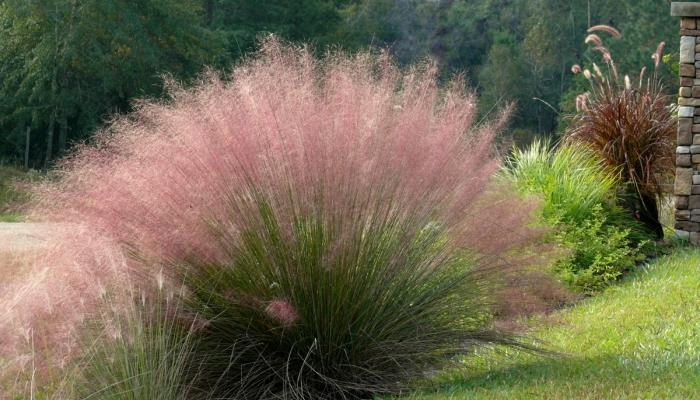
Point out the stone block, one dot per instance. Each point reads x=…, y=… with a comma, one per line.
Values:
x=688, y=226
x=696, y=179
x=694, y=238
x=684, y=160
x=683, y=234
x=694, y=201
x=694, y=212
x=688, y=101
x=695, y=149
x=696, y=139
x=697, y=63
x=694, y=218
x=683, y=184
x=683, y=150
x=688, y=70
x=687, y=51
x=685, y=9
x=695, y=159
x=685, y=131
x=696, y=128
x=695, y=92
x=685, y=91
x=696, y=120
x=690, y=32
x=686, y=112
x=687, y=82
x=683, y=215
x=695, y=190
x=688, y=23
x=681, y=202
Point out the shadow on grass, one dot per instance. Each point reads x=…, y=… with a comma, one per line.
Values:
x=567, y=377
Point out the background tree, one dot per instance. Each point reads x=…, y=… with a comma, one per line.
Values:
x=66, y=65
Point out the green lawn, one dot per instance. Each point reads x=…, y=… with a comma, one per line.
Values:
x=12, y=197
x=637, y=340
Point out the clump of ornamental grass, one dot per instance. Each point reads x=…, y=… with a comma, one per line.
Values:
x=579, y=197
x=629, y=123
x=334, y=222
x=571, y=179
x=141, y=352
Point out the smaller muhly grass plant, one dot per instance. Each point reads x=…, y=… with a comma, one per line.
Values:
x=141, y=353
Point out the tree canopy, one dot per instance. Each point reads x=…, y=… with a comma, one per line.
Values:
x=66, y=66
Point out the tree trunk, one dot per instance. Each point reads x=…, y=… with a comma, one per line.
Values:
x=62, y=133
x=27, y=142
x=209, y=12
x=49, y=140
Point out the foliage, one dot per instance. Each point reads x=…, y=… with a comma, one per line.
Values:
x=600, y=253
x=67, y=65
x=571, y=180
x=639, y=339
x=14, y=191
x=630, y=125
x=579, y=198
x=70, y=65
x=241, y=22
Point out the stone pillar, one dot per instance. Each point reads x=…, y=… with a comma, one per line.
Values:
x=687, y=182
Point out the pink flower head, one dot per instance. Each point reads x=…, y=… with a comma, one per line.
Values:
x=283, y=311
x=607, y=29
x=594, y=39
x=658, y=54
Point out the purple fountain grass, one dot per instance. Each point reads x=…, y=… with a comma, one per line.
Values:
x=350, y=139
x=631, y=125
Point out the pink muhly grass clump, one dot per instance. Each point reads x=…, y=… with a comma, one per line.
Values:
x=349, y=138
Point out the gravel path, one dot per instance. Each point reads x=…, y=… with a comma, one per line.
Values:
x=20, y=236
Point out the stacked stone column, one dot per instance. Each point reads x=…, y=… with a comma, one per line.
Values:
x=687, y=182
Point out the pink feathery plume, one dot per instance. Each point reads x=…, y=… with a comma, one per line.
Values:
x=594, y=39
x=607, y=29
x=658, y=54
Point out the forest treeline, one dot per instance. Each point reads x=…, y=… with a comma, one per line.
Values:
x=66, y=66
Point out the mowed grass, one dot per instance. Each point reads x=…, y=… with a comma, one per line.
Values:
x=13, y=194
x=637, y=340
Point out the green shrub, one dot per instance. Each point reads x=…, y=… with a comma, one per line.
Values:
x=600, y=253
x=580, y=199
x=12, y=193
